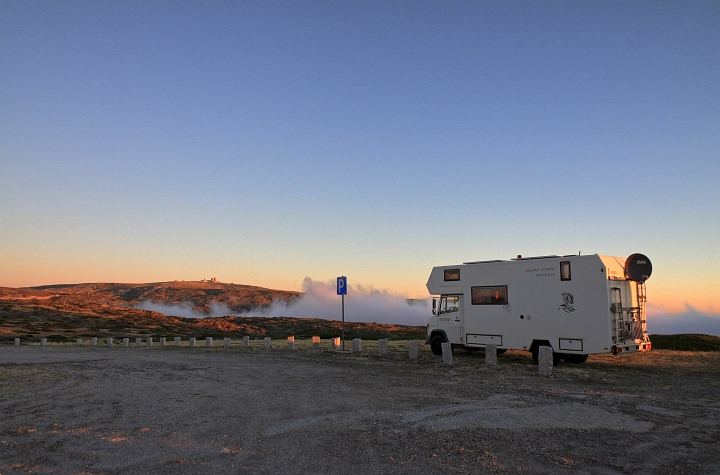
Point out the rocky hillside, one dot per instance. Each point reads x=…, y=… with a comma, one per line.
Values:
x=239, y=298
x=65, y=312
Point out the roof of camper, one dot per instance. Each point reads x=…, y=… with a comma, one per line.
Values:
x=555, y=256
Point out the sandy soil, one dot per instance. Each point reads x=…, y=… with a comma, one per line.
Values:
x=198, y=410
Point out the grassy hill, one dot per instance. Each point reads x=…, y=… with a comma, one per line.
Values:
x=31, y=322
x=201, y=295
x=686, y=342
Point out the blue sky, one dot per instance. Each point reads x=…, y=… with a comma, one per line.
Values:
x=265, y=142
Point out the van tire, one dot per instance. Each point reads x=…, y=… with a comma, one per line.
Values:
x=436, y=344
x=574, y=359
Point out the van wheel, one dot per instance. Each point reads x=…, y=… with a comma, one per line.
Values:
x=574, y=359
x=436, y=344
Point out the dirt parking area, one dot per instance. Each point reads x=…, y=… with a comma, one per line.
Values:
x=95, y=410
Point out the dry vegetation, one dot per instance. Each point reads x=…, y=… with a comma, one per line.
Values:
x=66, y=312
x=73, y=297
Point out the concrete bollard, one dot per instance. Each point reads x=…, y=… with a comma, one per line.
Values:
x=149, y=341
x=126, y=342
x=177, y=341
x=93, y=342
x=291, y=343
x=162, y=341
x=382, y=347
x=138, y=341
x=447, y=353
x=268, y=342
x=110, y=342
x=490, y=355
x=246, y=342
x=43, y=342
x=192, y=342
x=413, y=350
x=357, y=345
x=316, y=343
x=208, y=341
x=335, y=343
x=227, y=342
x=17, y=341
x=79, y=341
x=545, y=360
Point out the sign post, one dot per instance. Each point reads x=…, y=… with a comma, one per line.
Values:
x=342, y=291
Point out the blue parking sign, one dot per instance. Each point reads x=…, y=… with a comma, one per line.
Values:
x=342, y=285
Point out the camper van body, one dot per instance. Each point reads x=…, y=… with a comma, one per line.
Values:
x=578, y=305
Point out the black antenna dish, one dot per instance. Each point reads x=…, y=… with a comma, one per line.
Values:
x=638, y=267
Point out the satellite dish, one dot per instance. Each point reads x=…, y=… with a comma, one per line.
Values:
x=638, y=267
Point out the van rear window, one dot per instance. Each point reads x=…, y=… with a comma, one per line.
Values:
x=491, y=295
x=452, y=274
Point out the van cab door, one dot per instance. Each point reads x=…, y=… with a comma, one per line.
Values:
x=449, y=316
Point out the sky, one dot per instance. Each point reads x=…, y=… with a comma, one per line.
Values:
x=268, y=142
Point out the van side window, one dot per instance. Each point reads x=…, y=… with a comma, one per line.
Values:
x=452, y=304
x=445, y=305
x=495, y=295
x=452, y=274
x=565, y=270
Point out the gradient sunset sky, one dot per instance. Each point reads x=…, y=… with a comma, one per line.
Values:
x=263, y=142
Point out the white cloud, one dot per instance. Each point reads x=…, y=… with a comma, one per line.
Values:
x=362, y=304
x=659, y=320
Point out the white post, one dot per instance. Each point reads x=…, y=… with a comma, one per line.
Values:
x=162, y=341
x=43, y=342
x=545, y=360
x=110, y=342
x=17, y=341
x=94, y=341
x=267, y=342
x=490, y=355
x=356, y=345
x=138, y=341
x=208, y=341
x=382, y=346
x=413, y=350
x=246, y=342
x=79, y=341
x=149, y=341
x=192, y=342
x=316, y=343
x=126, y=342
x=291, y=343
x=177, y=341
x=335, y=343
x=447, y=353
x=227, y=342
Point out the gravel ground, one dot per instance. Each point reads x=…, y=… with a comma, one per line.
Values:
x=190, y=410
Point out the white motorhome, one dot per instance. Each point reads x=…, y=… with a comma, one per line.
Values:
x=578, y=305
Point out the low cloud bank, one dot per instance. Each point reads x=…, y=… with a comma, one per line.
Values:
x=184, y=309
x=689, y=320
x=362, y=304
x=366, y=304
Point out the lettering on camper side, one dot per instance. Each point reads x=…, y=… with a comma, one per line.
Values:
x=542, y=271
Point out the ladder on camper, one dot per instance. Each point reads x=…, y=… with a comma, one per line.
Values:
x=640, y=330
x=629, y=322
x=618, y=318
